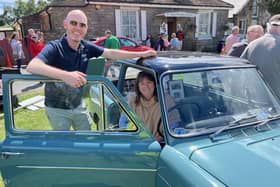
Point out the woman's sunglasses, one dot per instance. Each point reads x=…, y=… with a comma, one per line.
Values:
x=75, y=23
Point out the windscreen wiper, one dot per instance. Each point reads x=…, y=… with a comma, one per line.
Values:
x=269, y=118
x=230, y=125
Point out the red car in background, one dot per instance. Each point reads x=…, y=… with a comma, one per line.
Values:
x=126, y=44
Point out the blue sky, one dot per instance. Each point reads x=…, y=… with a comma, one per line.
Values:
x=238, y=5
x=5, y=3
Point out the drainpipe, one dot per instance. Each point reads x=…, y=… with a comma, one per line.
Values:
x=49, y=15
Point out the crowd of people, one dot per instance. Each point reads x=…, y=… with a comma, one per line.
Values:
x=260, y=48
x=20, y=50
x=163, y=43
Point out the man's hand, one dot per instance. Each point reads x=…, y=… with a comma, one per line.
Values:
x=75, y=79
x=149, y=53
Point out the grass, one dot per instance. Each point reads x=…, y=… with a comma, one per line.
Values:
x=35, y=120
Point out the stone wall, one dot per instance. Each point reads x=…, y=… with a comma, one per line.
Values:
x=32, y=21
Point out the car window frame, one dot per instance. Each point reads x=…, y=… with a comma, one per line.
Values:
x=9, y=120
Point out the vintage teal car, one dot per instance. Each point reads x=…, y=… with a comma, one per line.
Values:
x=228, y=134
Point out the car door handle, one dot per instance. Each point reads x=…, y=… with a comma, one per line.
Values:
x=6, y=155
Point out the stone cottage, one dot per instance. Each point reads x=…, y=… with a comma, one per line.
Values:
x=202, y=22
x=252, y=12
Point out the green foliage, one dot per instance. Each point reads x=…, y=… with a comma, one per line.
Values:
x=274, y=7
x=6, y=17
x=29, y=7
x=22, y=8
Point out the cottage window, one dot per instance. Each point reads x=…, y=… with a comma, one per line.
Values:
x=204, y=23
x=129, y=23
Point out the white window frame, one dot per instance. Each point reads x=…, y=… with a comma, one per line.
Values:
x=214, y=24
x=243, y=26
x=118, y=13
x=199, y=35
x=143, y=24
x=255, y=9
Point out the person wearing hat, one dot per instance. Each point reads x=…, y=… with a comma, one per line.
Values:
x=264, y=53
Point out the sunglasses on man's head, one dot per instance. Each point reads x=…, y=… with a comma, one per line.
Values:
x=75, y=23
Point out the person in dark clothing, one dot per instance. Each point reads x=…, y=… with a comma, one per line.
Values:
x=161, y=43
x=149, y=41
x=157, y=45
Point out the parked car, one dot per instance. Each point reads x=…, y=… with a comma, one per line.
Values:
x=127, y=44
x=228, y=135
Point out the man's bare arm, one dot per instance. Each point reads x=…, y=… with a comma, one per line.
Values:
x=73, y=78
x=116, y=54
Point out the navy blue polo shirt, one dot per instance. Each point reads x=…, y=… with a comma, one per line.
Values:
x=60, y=55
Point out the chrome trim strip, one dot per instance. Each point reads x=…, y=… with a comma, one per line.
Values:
x=87, y=168
x=164, y=180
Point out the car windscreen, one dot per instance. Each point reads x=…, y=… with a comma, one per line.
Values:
x=205, y=101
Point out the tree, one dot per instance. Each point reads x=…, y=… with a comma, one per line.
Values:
x=6, y=17
x=273, y=6
x=22, y=8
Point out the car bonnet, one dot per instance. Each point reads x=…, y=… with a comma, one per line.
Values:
x=242, y=162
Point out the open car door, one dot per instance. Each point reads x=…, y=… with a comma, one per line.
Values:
x=33, y=154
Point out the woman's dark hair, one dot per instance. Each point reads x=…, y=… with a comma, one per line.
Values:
x=13, y=36
x=140, y=76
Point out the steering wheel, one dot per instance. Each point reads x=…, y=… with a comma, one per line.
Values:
x=187, y=108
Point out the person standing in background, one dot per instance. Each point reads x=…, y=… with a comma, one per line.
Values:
x=180, y=36
x=231, y=39
x=149, y=41
x=264, y=52
x=157, y=42
x=28, y=40
x=253, y=32
x=111, y=42
x=163, y=42
x=37, y=44
x=7, y=52
x=16, y=45
x=174, y=42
